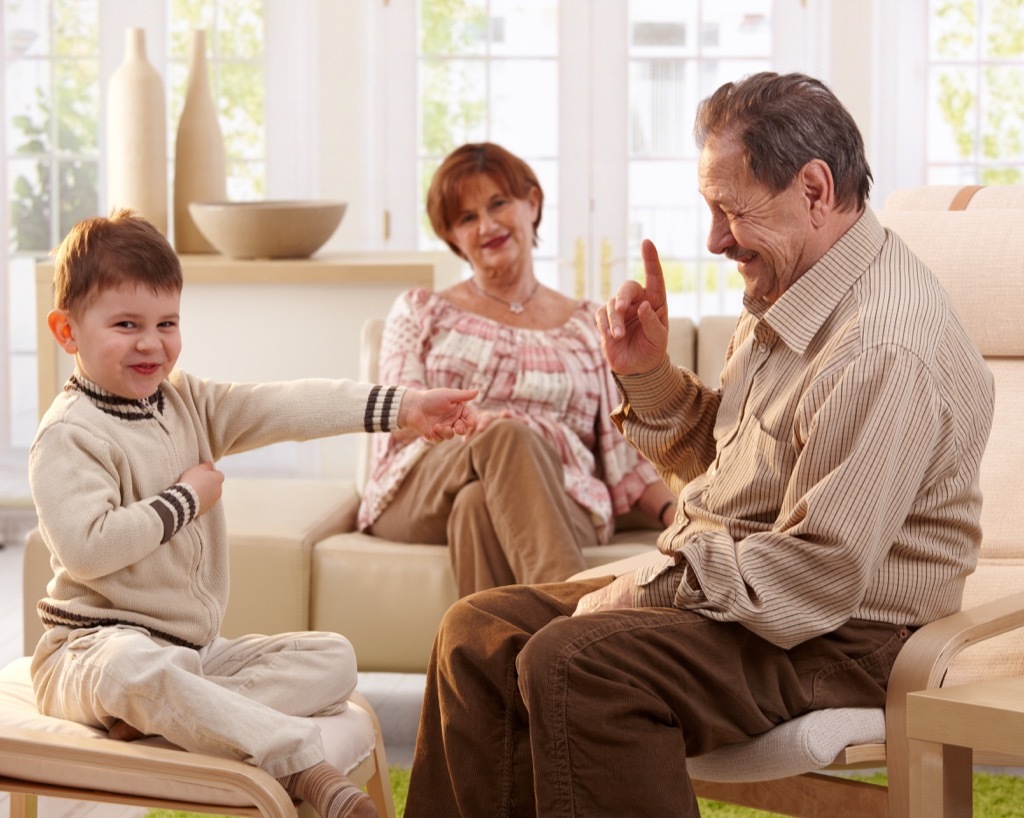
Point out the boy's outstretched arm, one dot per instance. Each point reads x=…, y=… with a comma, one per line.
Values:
x=438, y=414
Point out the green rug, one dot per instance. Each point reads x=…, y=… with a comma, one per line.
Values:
x=995, y=796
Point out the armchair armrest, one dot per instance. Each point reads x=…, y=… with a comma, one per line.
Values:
x=922, y=664
x=69, y=766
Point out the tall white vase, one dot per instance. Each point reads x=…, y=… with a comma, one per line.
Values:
x=137, y=135
x=200, y=173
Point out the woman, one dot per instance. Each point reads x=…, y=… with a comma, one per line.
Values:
x=545, y=473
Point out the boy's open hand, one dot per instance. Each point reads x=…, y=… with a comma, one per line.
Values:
x=438, y=414
x=207, y=482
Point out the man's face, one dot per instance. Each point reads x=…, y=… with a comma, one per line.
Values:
x=766, y=233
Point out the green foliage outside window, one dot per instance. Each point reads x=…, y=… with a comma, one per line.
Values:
x=55, y=175
x=54, y=180
x=985, y=116
x=452, y=108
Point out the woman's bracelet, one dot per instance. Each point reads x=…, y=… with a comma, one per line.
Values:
x=664, y=508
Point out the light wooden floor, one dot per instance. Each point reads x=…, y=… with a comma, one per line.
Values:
x=395, y=697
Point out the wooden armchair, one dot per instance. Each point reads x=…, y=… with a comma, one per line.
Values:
x=973, y=240
x=46, y=756
x=52, y=757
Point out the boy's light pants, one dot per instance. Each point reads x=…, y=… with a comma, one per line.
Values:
x=245, y=698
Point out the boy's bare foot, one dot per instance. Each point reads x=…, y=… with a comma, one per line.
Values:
x=123, y=731
x=329, y=792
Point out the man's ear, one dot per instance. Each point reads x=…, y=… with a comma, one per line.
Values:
x=60, y=327
x=818, y=187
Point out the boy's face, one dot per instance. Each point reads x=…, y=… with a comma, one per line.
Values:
x=126, y=341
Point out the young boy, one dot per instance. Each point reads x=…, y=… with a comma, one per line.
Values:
x=123, y=477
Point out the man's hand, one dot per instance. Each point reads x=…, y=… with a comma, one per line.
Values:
x=634, y=323
x=615, y=595
x=438, y=414
x=207, y=482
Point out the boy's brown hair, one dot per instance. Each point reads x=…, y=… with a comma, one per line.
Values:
x=109, y=252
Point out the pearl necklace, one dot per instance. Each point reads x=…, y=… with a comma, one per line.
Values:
x=516, y=307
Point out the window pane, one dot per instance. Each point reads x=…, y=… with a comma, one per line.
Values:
x=662, y=200
x=951, y=175
x=661, y=121
x=1002, y=106
x=455, y=28
x=1002, y=25
x=242, y=110
x=240, y=30
x=664, y=28
x=953, y=30
x=26, y=90
x=247, y=180
x=27, y=30
x=524, y=106
x=453, y=99
x=29, y=198
x=76, y=28
x=953, y=114
x=77, y=105
x=524, y=28
x=736, y=29
x=680, y=53
x=234, y=62
x=78, y=191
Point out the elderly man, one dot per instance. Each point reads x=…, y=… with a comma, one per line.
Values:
x=828, y=501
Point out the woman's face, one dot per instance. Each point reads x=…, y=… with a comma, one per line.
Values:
x=493, y=230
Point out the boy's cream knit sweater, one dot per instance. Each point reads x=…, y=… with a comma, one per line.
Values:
x=125, y=542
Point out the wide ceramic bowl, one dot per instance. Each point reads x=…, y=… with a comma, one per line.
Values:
x=267, y=229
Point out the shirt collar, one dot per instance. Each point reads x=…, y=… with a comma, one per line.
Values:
x=806, y=305
x=126, y=408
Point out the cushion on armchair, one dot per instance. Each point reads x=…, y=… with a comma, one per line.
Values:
x=809, y=742
x=348, y=739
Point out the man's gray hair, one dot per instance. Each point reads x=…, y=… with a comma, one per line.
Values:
x=783, y=121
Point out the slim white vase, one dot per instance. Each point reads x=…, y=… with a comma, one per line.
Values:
x=137, y=135
x=200, y=173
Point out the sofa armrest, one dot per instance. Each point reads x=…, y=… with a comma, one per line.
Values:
x=339, y=520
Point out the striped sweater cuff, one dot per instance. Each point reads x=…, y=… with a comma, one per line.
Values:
x=382, y=408
x=176, y=507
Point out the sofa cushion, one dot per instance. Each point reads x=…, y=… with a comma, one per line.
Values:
x=353, y=572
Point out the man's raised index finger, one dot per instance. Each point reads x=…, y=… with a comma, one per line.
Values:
x=654, y=279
